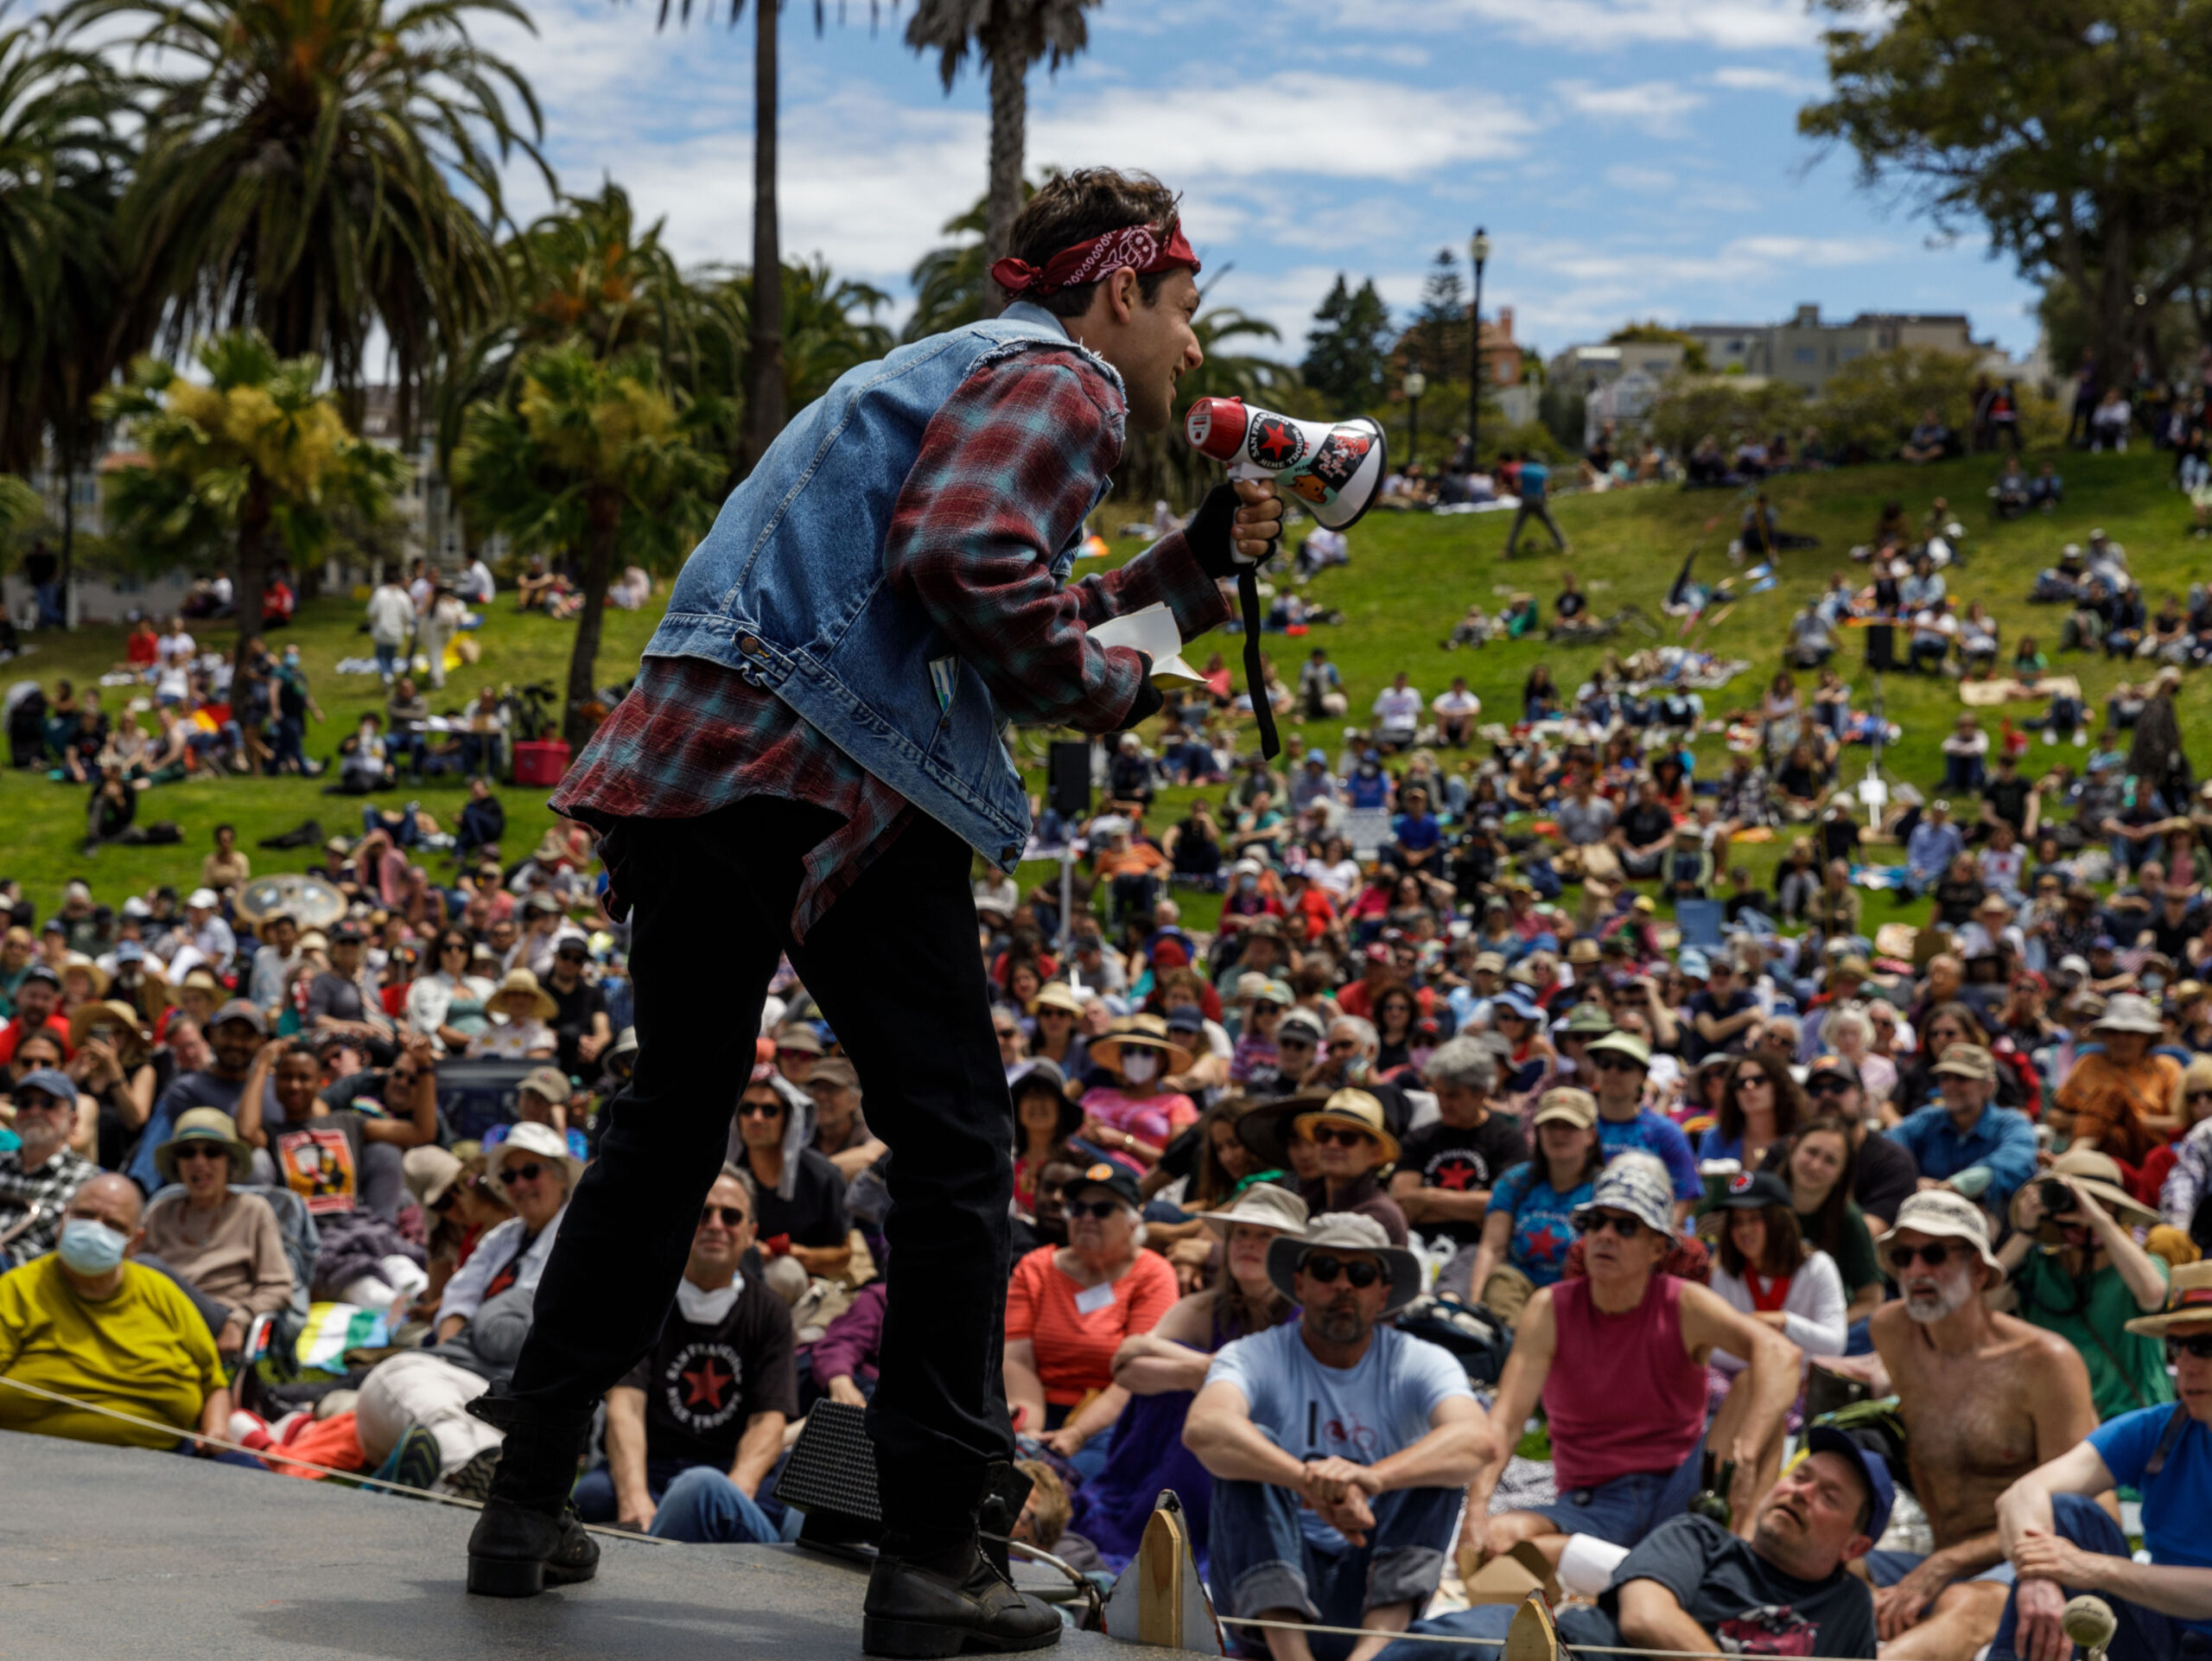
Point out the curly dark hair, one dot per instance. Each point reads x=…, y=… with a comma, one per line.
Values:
x=1073, y=207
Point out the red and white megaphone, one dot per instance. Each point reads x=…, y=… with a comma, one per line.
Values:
x=1334, y=468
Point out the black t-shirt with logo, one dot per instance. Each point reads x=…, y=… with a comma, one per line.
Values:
x=1749, y=1605
x=1462, y=1159
x=815, y=1215
x=702, y=1383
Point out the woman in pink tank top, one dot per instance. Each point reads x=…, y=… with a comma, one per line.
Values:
x=1618, y=1359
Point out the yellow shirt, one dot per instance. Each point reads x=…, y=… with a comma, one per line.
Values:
x=144, y=1351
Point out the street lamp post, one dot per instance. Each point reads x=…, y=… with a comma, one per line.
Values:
x=1415, y=384
x=1479, y=247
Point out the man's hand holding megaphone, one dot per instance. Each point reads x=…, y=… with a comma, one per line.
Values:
x=1239, y=524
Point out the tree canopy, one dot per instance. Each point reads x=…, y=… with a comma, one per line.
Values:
x=1348, y=346
x=2073, y=133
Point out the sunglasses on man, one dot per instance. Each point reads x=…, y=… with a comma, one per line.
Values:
x=205, y=1151
x=1325, y=1268
x=1936, y=1254
x=525, y=1173
x=730, y=1217
x=759, y=1110
x=1101, y=1209
x=1596, y=1222
x=2196, y=1343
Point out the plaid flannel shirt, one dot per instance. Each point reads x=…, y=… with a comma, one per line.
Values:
x=47, y=1190
x=1005, y=476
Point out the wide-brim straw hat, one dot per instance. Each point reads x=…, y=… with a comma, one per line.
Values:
x=2189, y=1303
x=1344, y=1231
x=206, y=1124
x=1142, y=1032
x=2098, y=1173
x=1263, y=1206
x=99, y=978
x=130, y=1040
x=1358, y=1110
x=520, y=983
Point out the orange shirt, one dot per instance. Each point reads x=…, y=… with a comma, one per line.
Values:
x=2110, y=1102
x=1075, y=1350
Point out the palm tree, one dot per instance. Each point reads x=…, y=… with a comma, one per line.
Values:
x=1008, y=36
x=62, y=169
x=20, y=506
x=583, y=271
x=829, y=327
x=591, y=456
x=303, y=172
x=765, y=407
x=254, y=449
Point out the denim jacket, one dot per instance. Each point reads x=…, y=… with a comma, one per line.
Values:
x=788, y=587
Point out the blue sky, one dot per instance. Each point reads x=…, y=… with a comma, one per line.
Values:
x=1629, y=158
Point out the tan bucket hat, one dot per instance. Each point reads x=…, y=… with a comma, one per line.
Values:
x=1264, y=1205
x=1946, y=1216
x=1345, y=1230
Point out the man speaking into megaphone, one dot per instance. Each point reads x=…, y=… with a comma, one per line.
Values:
x=807, y=764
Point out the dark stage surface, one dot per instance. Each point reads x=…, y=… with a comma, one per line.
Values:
x=115, y=1554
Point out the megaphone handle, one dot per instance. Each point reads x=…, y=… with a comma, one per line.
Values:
x=1248, y=595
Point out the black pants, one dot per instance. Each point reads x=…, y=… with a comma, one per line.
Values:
x=894, y=966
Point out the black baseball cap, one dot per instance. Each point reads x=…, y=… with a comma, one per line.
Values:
x=1752, y=1191
x=1117, y=1180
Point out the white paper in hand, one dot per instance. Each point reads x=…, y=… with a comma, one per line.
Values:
x=1151, y=631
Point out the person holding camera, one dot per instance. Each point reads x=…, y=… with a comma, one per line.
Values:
x=2075, y=1270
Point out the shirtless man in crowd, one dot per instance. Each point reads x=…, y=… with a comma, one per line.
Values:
x=1985, y=1398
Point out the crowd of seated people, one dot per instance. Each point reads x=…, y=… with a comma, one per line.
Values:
x=1681, y=1169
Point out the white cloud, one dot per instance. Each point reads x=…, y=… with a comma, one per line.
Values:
x=1626, y=177
x=1592, y=25
x=1750, y=78
x=1290, y=125
x=1656, y=106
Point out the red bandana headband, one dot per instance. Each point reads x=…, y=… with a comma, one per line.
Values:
x=1143, y=248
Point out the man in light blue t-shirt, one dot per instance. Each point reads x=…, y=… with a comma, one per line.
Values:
x=1339, y=1446
x=2062, y=1542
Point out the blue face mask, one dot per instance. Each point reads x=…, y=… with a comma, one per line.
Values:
x=89, y=1246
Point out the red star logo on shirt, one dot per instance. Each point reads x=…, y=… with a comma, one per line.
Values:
x=706, y=1384
x=1459, y=1174
x=1545, y=1244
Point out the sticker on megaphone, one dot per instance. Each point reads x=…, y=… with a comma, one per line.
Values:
x=1334, y=468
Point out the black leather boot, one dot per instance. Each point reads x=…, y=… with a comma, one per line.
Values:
x=944, y=1605
x=528, y=1535
x=935, y=1592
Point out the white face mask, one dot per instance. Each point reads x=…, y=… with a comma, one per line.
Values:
x=1138, y=1066
x=704, y=1308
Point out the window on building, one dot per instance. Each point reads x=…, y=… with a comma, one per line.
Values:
x=1805, y=354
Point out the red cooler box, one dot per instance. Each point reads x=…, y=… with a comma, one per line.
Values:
x=541, y=760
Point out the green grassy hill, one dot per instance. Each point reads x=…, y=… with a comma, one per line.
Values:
x=1411, y=576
